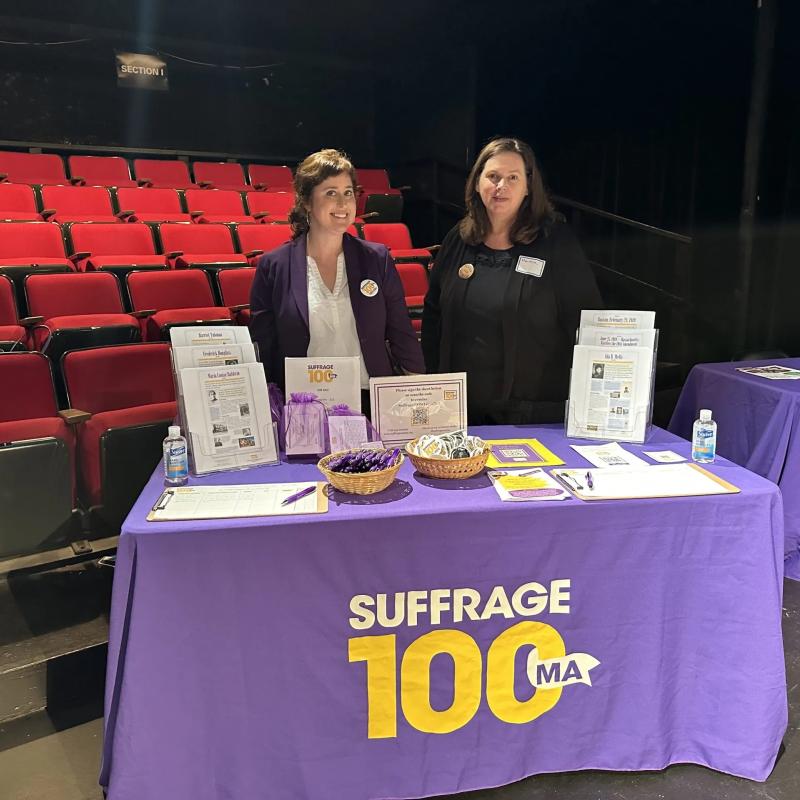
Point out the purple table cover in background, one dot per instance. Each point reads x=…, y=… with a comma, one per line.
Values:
x=758, y=426
x=228, y=671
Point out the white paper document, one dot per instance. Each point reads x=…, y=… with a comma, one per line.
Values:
x=213, y=355
x=333, y=380
x=617, y=337
x=664, y=456
x=632, y=320
x=405, y=407
x=608, y=455
x=230, y=502
x=658, y=480
x=610, y=393
x=181, y=336
x=227, y=417
x=773, y=372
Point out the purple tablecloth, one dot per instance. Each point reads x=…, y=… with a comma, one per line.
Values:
x=758, y=426
x=235, y=671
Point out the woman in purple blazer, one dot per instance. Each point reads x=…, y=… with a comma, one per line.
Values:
x=327, y=293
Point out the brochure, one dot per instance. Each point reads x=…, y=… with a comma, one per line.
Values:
x=526, y=485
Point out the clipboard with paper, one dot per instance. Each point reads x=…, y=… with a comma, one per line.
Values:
x=238, y=501
x=658, y=480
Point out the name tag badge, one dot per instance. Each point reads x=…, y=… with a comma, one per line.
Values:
x=369, y=288
x=527, y=265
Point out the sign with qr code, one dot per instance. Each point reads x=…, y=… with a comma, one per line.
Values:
x=405, y=407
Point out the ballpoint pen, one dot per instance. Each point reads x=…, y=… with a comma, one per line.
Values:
x=589, y=481
x=298, y=495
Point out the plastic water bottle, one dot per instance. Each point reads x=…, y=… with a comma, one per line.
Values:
x=704, y=438
x=176, y=459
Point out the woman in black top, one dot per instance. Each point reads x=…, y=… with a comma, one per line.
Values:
x=506, y=292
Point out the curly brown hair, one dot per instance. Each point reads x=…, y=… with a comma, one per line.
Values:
x=311, y=172
x=536, y=211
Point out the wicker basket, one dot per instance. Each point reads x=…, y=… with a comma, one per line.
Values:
x=358, y=482
x=452, y=468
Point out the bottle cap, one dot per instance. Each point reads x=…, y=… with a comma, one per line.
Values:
x=705, y=415
x=175, y=430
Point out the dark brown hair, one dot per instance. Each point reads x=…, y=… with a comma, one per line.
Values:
x=536, y=211
x=311, y=172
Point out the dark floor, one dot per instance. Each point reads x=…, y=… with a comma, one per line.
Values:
x=56, y=756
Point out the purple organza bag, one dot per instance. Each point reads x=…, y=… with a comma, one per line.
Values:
x=276, y=409
x=305, y=425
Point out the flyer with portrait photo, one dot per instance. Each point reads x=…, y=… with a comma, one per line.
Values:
x=610, y=393
x=227, y=417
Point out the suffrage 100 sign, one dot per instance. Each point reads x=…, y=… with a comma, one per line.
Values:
x=549, y=668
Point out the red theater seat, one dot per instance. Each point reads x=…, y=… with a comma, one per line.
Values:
x=12, y=334
x=118, y=248
x=378, y=197
x=37, y=456
x=129, y=392
x=255, y=240
x=77, y=204
x=18, y=203
x=32, y=243
x=200, y=245
x=221, y=175
x=77, y=310
x=151, y=205
x=167, y=299
x=414, y=278
x=273, y=179
x=270, y=206
x=217, y=205
x=27, y=247
x=100, y=171
x=234, y=288
x=396, y=237
x=38, y=168
x=163, y=174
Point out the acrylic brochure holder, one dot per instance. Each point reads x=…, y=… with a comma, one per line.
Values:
x=225, y=428
x=611, y=393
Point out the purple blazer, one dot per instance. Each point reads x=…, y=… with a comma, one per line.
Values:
x=279, y=308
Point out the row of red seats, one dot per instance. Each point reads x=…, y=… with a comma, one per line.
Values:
x=30, y=247
x=72, y=309
x=94, y=246
x=48, y=168
x=22, y=203
x=99, y=452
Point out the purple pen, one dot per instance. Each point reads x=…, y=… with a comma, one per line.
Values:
x=298, y=495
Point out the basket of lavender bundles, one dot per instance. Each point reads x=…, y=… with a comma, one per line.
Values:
x=362, y=471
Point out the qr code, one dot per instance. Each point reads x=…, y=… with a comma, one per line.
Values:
x=419, y=416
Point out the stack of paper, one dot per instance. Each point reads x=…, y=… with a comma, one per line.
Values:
x=223, y=398
x=612, y=376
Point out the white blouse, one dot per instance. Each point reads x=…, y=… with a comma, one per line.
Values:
x=330, y=317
